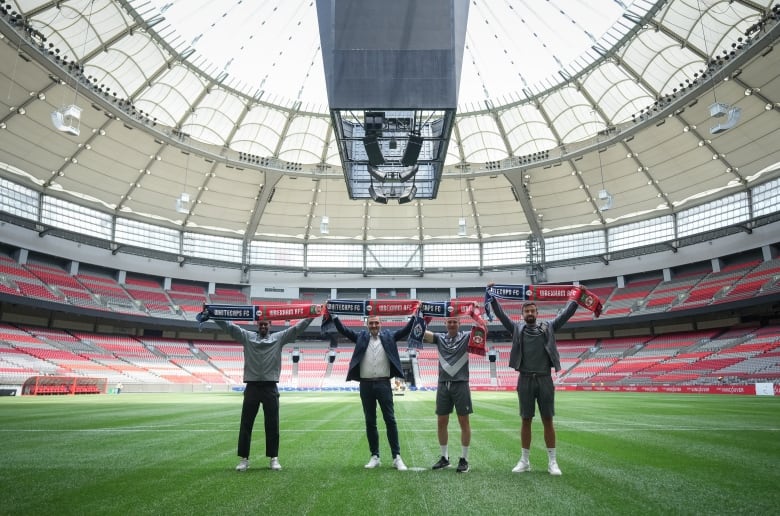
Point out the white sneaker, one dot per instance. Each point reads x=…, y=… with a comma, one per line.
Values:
x=398, y=463
x=274, y=465
x=243, y=465
x=522, y=466
x=373, y=462
x=553, y=469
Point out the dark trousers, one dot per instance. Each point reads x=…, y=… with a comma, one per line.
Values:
x=256, y=393
x=371, y=393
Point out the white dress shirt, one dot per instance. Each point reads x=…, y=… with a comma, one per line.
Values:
x=375, y=363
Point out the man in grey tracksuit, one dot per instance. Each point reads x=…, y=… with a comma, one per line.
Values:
x=262, y=368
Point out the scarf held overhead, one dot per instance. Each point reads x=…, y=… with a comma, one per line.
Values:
x=422, y=311
x=578, y=294
x=266, y=311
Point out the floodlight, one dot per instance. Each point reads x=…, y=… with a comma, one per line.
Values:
x=324, y=225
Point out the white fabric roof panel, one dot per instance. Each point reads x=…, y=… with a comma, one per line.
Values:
x=518, y=96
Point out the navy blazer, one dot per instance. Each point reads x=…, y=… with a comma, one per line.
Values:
x=388, y=340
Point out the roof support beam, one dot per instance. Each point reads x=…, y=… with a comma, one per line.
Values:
x=263, y=198
x=516, y=180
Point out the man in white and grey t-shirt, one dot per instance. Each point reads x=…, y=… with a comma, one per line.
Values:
x=453, y=390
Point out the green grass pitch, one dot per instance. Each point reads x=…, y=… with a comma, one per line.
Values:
x=175, y=454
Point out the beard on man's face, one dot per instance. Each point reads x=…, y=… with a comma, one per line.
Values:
x=529, y=318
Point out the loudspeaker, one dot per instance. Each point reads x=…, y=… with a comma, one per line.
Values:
x=408, y=195
x=377, y=196
x=408, y=174
x=331, y=357
x=373, y=151
x=492, y=355
x=373, y=122
x=412, y=151
x=296, y=357
x=731, y=121
x=376, y=173
x=67, y=119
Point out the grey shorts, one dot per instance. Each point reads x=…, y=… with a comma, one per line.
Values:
x=533, y=388
x=453, y=394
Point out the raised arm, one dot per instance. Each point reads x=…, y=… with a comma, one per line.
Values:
x=291, y=333
x=568, y=310
x=405, y=331
x=237, y=332
x=351, y=335
x=508, y=323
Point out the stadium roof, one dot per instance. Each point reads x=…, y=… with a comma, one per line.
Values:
x=564, y=107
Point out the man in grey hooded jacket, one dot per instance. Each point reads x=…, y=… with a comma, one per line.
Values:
x=534, y=353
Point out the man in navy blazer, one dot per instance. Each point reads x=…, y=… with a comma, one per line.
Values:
x=374, y=362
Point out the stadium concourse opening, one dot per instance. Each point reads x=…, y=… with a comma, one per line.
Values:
x=47, y=385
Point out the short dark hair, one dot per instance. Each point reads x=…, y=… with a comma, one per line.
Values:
x=527, y=303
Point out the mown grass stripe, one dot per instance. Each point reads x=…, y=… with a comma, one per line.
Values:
x=174, y=454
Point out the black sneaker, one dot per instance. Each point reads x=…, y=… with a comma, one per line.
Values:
x=443, y=463
x=463, y=466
